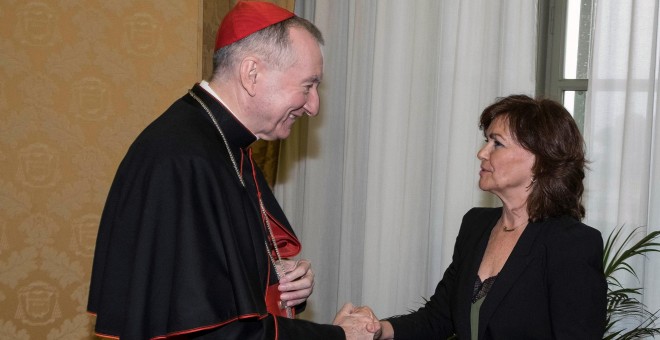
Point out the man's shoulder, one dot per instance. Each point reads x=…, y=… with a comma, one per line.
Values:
x=180, y=130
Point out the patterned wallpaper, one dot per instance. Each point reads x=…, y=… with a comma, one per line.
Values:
x=79, y=79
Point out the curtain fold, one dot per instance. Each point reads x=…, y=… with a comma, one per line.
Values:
x=377, y=184
x=621, y=125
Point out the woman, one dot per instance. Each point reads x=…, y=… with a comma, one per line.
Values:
x=529, y=269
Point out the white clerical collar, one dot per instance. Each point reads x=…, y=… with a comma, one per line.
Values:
x=205, y=85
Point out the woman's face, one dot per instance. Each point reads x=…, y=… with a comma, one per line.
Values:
x=506, y=167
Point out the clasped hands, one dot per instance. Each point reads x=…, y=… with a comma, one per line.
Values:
x=297, y=284
x=359, y=323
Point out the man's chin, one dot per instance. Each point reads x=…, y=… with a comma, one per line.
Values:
x=284, y=135
x=284, y=132
x=278, y=135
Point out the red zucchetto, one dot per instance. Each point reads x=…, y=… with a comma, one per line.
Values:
x=246, y=18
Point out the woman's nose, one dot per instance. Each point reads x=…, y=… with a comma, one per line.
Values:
x=482, y=154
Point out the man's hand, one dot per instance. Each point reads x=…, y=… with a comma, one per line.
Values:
x=297, y=283
x=359, y=323
x=382, y=330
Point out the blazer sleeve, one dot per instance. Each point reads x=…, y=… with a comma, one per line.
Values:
x=577, y=286
x=434, y=320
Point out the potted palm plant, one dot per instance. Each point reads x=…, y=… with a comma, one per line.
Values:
x=627, y=316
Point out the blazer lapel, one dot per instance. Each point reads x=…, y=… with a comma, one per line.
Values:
x=516, y=263
x=470, y=269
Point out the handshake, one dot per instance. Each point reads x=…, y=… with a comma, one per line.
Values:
x=360, y=323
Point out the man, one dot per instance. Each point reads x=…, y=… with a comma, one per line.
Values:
x=192, y=243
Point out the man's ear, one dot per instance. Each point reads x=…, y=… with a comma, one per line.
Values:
x=248, y=71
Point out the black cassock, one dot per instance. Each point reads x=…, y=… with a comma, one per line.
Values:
x=180, y=250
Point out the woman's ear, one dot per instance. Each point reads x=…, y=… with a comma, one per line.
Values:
x=248, y=73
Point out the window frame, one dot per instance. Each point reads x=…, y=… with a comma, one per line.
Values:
x=551, y=36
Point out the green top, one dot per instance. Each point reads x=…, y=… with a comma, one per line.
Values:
x=474, y=317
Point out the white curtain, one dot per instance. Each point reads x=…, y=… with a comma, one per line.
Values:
x=377, y=184
x=621, y=126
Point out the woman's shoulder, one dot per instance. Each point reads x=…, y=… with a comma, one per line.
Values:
x=568, y=229
x=483, y=212
x=479, y=220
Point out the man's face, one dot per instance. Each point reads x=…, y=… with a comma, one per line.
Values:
x=289, y=93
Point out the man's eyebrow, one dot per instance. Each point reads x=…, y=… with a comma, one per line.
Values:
x=314, y=79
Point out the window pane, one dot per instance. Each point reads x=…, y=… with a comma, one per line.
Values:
x=574, y=101
x=578, y=35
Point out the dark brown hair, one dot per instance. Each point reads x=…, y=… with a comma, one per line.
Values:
x=546, y=129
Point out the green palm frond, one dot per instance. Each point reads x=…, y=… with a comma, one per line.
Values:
x=623, y=307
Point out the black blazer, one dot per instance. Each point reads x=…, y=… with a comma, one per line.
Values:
x=551, y=287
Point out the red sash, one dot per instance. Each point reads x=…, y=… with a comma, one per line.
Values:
x=273, y=302
x=288, y=246
x=287, y=243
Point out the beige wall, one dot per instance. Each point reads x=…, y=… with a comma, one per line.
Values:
x=78, y=81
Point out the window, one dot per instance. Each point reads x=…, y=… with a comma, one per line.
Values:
x=563, y=61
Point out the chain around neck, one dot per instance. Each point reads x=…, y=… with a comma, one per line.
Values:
x=264, y=214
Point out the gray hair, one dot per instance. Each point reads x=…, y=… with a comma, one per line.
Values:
x=271, y=43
